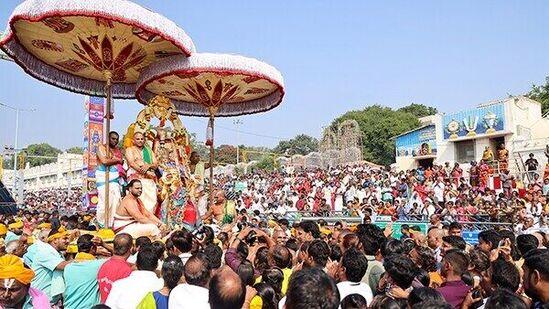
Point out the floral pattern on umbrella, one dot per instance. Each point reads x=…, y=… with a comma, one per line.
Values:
x=232, y=85
x=78, y=45
x=101, y=57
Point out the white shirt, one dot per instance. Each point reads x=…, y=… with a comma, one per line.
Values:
x=282, y=303
x=130, y=291
x=438, y=189
x=431, y=210
x=132, y=259
x=256, y=206
x=361, y=194
x=347, y=288
x=185, y=257
x=294, y=199
x=189, y=296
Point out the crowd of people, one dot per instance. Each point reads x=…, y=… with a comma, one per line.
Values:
x=416, y=194
x=69, y=201
x=247, y=250
x=452, y=192
x=58, y=261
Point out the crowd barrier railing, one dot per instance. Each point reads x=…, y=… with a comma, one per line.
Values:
x=477, y=222
x=409, y=217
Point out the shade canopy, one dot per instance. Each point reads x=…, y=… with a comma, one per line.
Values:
x=227, y=85
x=77, y=44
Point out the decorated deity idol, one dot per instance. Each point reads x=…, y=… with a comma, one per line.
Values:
x=176, y=188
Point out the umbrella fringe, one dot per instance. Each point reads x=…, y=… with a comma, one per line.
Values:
x=216, y=63
x=56, y=77
x=122, y=11
x=225, y=110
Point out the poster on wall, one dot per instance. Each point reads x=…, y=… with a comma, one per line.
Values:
x=93, y=137
x=472, y=122
x=421, y=142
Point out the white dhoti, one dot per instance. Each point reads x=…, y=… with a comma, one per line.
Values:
x=203, y=205
x=114, y=201
x=148, y=197
x=338, y=204
x=124, y=224
x=114, y=194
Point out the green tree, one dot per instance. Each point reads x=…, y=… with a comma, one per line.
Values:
x=301, y=144
x=253, y=153
x=35, y=154
x=540, y=93
x=225, y=154
x=75, y=150
x=267, y=163
x=200, y=147
x=418, y=110
x=378, y=125
x=7, y=162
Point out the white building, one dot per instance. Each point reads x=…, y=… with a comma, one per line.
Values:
x=462, y=137
x=64, y=173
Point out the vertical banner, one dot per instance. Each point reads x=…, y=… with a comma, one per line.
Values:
x=93, y=138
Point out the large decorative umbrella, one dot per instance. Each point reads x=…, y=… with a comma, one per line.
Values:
x=211, y=85
x=93, y=47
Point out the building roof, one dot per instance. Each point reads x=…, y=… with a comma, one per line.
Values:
x=409, y=131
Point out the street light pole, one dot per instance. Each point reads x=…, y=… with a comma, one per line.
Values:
x=16, y=146
x=237, y=123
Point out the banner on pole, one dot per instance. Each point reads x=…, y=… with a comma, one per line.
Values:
x=93, y=138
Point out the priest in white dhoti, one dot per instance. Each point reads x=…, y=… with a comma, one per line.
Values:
x=142, y=165
x=131, y=216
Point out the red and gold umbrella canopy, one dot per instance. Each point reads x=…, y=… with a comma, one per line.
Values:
x=79, y=45
x=218, y=84
x=211, y=85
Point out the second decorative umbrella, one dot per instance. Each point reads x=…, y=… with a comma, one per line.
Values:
x=210, y=85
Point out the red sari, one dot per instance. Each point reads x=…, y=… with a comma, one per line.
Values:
x=456, y=175
x=484, y=171
x=421, y=191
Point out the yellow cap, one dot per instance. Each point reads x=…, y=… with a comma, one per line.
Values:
x=325, y=231
x=30, y=240
x=16, y=225
x=72, y=248
x=106, y=234
x=44, y=225
x=3, y=229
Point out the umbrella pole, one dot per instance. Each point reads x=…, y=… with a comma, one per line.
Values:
x=108, y=90
x=211, y=160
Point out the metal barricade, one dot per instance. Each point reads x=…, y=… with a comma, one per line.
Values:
x=477, y=222
x=483, y=226
x=332, y=220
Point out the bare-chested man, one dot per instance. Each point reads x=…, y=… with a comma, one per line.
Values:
x=133, y=218
x=142, y=164
x=113, y=162
x=217, y=210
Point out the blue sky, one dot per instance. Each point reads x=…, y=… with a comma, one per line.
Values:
x=335, y=56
